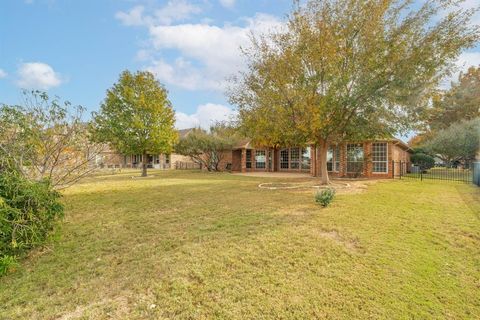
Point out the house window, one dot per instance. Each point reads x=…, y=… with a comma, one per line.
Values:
x=284, y=159
x=330, y=159
x=355, y=158
x=306, y=158
x=137, y=158
x=294, y=158
x=260, y=159
x=156, y=159
x=337, y=159
x=249, y=159
x=380, y=157
x=333, y=159
x=167, y=158
x=270, y=159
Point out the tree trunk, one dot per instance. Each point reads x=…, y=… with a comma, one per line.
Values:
x=323, y=163
x=144, y=164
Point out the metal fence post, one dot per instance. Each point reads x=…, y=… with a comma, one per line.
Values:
x=476, y=173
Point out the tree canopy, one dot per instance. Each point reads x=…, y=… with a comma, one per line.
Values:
x=136, y=117
x=348, y=69
x=208, y=148
x=459, y=142
x=460, y=102
x=45, y=138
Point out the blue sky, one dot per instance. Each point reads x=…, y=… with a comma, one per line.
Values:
x=77, y=49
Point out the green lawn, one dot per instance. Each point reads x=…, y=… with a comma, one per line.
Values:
x=185, y=245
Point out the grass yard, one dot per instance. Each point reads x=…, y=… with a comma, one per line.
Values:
x=184, y=245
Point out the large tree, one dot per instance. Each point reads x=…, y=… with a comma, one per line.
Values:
x=460, y=102
x=348, y=69
x=136, y=117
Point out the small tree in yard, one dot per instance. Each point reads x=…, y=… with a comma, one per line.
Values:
x=459, y=142
x=348, y=70
x=423, y=160
x=45, y=138
x=207, y=148
x=136, y=117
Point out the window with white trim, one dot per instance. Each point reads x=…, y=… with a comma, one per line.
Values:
x=380, y=157
x=294, y=158
x=355, y=158
x=333, y=159
x=306, y=158
x=337, y=160
x=260, y=159
x=284, y=159
x=330, y=159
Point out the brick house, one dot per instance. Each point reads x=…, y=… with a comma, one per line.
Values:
x=368, y=159
x=113, y=159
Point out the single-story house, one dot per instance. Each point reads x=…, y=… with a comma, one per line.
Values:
x=369, y=159
x=113, y=159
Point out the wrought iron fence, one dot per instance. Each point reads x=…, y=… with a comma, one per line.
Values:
x=407, y=170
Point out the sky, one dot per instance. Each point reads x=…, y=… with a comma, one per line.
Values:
x=77, y=49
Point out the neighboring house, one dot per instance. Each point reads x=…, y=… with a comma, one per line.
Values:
x=112, y=159
x=370, y=159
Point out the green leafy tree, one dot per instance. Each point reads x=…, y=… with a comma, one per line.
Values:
x=459, y=142
x=136, y=117
x=423, y=160
x=460, y=102
x=208, y=149
x=347, y=70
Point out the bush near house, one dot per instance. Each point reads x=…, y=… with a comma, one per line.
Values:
x=424, y=161
x=28, y=212
x=324, y=197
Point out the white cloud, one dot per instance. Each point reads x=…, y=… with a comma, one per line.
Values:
x=204, y=117
x=208, y=53
x=134, y=17
x=173, y=11
x=182, y=73
x=176, y=10
x=37, y=75
x=227, y=3
x=3, y=74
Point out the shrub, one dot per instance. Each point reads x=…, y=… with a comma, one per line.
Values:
x=28, y=212
x=424, y=161
x=324, y=197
